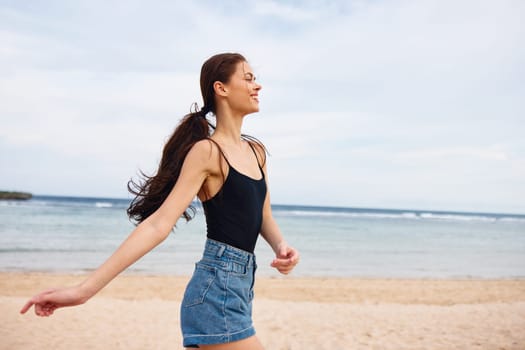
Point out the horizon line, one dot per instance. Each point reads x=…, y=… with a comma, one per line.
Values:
x=443, y=211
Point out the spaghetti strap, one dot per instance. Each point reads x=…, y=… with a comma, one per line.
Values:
x=222, y=153
x=226, y=158
x=255, y=152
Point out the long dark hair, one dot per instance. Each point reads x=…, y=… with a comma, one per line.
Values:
x=151, y=191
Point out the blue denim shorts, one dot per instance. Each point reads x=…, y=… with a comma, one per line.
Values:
x=217, y=303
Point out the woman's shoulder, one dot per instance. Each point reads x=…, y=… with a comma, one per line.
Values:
x=205, y=149
x=209, y=153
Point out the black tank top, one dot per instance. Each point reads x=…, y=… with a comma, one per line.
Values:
x=234, y=214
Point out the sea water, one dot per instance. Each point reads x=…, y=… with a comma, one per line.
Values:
x=76, y=235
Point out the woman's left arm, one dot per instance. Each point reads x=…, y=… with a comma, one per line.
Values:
x=286, y=257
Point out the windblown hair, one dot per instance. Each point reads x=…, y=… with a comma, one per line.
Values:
x=151, y=191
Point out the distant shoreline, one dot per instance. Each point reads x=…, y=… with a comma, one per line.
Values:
x=15, y=195
x=313, y=208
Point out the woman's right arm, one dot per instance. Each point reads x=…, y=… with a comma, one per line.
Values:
x=146, y=236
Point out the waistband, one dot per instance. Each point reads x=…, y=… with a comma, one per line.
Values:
x=222, y=251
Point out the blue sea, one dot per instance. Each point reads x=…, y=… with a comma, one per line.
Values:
x=75, y=235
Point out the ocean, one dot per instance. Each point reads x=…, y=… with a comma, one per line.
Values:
x=75, y=235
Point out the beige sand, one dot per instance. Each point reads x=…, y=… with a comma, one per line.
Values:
x=142, y=312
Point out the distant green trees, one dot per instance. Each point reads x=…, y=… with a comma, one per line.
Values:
x=15, y=195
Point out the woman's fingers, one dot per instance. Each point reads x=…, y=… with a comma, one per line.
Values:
x=41, y=304
x=291, y=259
x=283, y=262
x=45, y=309
x=27, y=306
x=286, y=265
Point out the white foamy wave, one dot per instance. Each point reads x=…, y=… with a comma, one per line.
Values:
x=457, y=217
x=409, y=215
x=406, y=215
x=103, y=205
x=513, y=219
x=14, y=203
x=311, y=213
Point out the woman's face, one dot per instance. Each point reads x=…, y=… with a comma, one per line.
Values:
x=243, y=90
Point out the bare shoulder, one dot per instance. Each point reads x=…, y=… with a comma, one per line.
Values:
x=205, y=153
x=204, y=150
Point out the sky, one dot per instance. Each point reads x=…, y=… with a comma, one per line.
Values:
x=374, y=104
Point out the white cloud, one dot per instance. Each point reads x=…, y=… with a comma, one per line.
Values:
x=395, y=103
x=491, y=153
x=282, y=11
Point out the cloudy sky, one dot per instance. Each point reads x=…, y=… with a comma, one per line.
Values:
x=383, y=104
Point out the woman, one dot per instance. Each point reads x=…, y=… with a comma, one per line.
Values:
x=227, y=172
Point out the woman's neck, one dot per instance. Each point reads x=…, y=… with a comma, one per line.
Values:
x=228, y=128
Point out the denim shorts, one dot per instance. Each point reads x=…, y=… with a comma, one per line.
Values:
x=217, y=303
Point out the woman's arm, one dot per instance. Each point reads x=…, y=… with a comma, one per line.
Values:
x=146, y=236
x=286, y=256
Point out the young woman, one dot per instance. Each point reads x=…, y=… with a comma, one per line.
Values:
x=226, y=170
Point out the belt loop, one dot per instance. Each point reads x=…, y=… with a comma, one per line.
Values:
x=220, y=251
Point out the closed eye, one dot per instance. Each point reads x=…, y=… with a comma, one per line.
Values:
x=249, y=77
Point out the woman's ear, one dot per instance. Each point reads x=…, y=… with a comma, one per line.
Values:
x=220, y=89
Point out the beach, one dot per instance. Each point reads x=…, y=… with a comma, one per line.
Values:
x=368, y=279
x=142, y=312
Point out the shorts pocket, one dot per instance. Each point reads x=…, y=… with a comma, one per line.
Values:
x=199, y=285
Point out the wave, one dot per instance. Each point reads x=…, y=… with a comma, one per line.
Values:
x=47, y=250
x=345, y=214
x=512, y=219
x=458, y=217
x=284, y=210
x=77, y=202
x=405, y=215
x=103, y=205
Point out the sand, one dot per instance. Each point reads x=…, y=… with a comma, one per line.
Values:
x=142, y=312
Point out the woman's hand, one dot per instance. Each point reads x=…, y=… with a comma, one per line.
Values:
x=286, y=258
x=49, y=300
